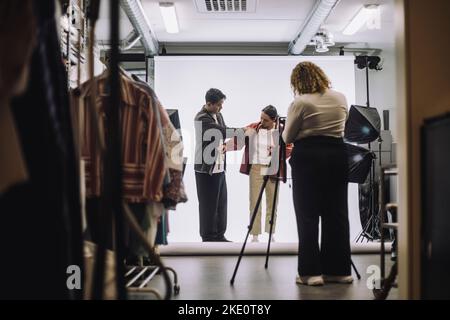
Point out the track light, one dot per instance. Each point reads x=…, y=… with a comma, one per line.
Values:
x=374, y=63
x=322, y=40
x=321, y=47
x=371, y=62
x=316, y=18
x=328, y=37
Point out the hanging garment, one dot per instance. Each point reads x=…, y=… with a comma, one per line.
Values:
x=161, y=118
x=155, y=211
x=173, y=190
x=148, y=216
x=14, y=70
x=96, y=224
x=142, y=156
x=163, y=230
x=18, y=45
x=41, y=221
x=12, y=164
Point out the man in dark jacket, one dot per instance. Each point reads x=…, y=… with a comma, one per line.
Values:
x=210, y=166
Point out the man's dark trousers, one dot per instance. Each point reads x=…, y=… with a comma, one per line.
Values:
x=212, y=200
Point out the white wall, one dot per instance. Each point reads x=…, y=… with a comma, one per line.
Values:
x=250, y=83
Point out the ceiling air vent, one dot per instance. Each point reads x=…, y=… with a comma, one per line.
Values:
x=225, y=6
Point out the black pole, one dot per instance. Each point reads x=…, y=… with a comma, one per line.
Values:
x=356, y=270
x=99, y=266
x=372, y=170
x=250, y=226
x=374, y=219
x=281, y=160
x=367, y=80
x=274, y=203
x=114, y=151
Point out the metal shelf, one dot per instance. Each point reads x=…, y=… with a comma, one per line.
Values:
x=387, y=282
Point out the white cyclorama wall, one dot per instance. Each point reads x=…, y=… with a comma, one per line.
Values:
x=250, y=83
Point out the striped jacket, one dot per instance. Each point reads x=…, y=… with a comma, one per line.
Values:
x=142, y=154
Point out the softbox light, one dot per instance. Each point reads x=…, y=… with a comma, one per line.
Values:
x=174, y=118
x=359, y=163
x=363, y=124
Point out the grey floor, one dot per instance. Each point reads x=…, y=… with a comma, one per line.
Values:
x=208, y=278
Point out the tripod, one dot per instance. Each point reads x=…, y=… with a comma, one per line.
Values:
x=373, y=219
x=282, y=159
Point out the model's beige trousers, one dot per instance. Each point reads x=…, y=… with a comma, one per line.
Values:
x=256, y=182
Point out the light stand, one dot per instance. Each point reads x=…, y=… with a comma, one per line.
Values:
x=372, y=63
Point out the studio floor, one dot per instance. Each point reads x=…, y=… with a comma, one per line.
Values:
x=208, y=278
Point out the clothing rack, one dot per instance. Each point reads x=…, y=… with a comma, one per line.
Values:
x=140, y=275
x=112, y=206
x=382, y=289
x=137, y=273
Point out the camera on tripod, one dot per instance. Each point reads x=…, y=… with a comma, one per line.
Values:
x=277, y=175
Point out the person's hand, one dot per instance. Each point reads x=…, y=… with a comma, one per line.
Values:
x=222, y=148
x=249, y=131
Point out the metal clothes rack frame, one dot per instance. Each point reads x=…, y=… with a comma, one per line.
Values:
x=112, y=207
x=381, y=291
x=138, y=277
x=74, y=37
x=137, y=273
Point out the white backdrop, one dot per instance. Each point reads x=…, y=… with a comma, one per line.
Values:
x=250, y=83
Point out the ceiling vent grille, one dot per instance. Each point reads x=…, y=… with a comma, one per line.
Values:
x=225, y=6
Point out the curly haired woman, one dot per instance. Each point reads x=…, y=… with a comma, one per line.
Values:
x=315, y=124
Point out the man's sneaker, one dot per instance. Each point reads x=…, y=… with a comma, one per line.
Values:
x=255, y=238
x=338, y=279
x=310, y=280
